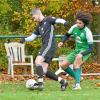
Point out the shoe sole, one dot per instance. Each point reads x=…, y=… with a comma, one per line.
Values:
x=77, y=88
x=65, y=86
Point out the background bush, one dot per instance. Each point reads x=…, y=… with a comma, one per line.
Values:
x=15, y=19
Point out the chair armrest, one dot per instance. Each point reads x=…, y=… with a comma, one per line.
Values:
x=7, y=56
x=28, y=56
x=31, y=58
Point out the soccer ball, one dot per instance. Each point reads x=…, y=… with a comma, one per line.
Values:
x=31, y=84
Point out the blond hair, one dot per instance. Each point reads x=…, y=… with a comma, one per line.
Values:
x=36, y=11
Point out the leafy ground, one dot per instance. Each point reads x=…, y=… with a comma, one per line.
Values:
x=17, y=91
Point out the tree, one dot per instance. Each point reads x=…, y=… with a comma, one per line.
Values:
x=4, y=7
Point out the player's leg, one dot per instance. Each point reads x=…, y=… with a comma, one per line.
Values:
x=74, y=73
x=66, y=64
x=53, y=76
x=39, y=60
x=42, y=67
x=78, y=70
x=60, y=70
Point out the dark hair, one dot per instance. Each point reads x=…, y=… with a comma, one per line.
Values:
x=84, y=17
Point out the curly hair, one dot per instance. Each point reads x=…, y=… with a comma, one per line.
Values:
x=84, y=17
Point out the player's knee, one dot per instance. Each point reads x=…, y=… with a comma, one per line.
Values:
x=63, y=65
x=45, y=71
x=77, y=66
x=37, y=62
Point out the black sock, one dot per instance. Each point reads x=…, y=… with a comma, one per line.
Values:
x=62, y=81
x=52, y=75
x=40, y=71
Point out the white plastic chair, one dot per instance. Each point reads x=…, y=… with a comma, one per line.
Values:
x=16, y=56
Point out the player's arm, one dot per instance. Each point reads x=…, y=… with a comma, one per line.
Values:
x=29, y=38
x=54, y=20
x=64, y=38
x=68, y=34
x=61, y=21
x=89, y=38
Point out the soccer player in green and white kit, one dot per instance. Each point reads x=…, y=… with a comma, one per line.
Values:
x=84, y=46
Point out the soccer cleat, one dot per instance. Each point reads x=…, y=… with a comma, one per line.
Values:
x=59, y=71
x=77, y=87
x=40, y=86
x=35, y=86
x=64, y=84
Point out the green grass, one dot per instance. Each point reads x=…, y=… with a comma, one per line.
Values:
x=17, y=91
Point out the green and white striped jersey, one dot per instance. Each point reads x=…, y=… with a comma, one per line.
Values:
x=83, y=37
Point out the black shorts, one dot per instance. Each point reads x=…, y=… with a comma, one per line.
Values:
x=47, y=54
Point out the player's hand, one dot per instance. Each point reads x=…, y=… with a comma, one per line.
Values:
x=22, y=40
x=60, y=44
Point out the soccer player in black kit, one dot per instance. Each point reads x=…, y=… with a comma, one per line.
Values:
x=45, y=29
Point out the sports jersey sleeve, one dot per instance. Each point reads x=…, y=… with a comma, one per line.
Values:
x=68, y=34
x=65, y=37
x=70, y=31
x=51, y=20
x=36, y=32
x=31, y=38
x=54, y=20
x=89, y=38
x=61, y=21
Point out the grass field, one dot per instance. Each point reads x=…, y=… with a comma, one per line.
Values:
x=17, y=91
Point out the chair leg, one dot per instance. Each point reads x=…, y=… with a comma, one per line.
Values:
x=12, y=71
x=32, y=69
x=32, y=66
x=9, y=69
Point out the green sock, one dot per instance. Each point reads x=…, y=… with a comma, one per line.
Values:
x=78, y=72
x=70, y=72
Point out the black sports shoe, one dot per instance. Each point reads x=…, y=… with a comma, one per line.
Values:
x=40, y=86
x=35, y=86
x=64, y=84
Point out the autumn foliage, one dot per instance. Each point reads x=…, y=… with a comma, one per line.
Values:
x=15, y=18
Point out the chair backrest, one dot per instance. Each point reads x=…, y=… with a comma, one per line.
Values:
x=16, y=51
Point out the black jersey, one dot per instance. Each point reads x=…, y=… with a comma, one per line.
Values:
x=45, y=30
